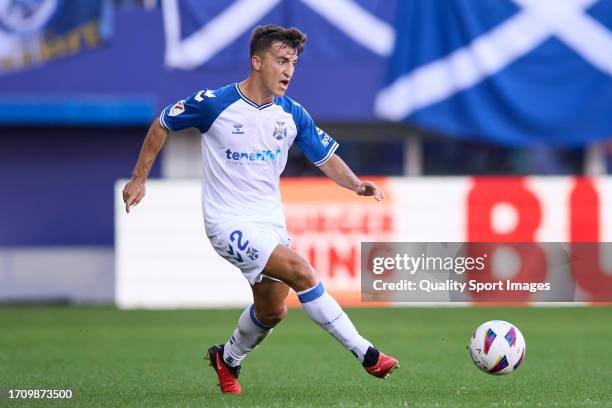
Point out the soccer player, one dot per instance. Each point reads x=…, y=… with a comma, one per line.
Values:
x=247, y=129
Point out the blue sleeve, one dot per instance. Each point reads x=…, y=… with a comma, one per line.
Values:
x=195, y=111
x=314, y=142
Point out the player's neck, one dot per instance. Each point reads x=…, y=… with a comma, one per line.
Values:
x=255, y=92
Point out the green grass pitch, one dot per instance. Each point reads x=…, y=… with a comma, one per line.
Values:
x=155, y=358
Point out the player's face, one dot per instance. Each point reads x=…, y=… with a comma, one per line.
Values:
x=277, y=66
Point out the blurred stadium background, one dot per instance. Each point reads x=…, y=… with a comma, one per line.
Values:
x=482, y=120
x=411, y=89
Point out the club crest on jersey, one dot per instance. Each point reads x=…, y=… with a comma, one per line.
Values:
x=280, y=131
x=238, y=129
x=177, y=109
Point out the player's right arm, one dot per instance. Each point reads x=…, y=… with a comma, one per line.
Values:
x=134, y=190
x=187, y=113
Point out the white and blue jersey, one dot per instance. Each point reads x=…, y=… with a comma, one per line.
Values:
x=244, y=151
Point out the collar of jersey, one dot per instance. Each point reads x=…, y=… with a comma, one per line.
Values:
x=250, y=102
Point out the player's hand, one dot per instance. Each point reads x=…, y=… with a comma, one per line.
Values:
x=367, y=188
x=133, y=192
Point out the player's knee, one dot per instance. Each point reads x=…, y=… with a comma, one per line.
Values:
x=273, y=316
x=304, y=277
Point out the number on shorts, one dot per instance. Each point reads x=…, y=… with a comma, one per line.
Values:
x=241, y=246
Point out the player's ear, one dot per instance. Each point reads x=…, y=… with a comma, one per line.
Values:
x=256, y=62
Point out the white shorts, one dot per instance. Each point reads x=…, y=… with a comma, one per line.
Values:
x=248, y=246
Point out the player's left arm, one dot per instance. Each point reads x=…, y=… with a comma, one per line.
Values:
x=336, y=169
x=319, y=147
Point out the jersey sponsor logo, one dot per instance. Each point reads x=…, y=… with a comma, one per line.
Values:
x=238, y=129
x=260, y=156
x=177, y=109
x=280, y=130
x=26, y=16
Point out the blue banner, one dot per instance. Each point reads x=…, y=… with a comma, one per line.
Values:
x=519, y=72
x=34, y=32
x=161, y=55
x=216, y=34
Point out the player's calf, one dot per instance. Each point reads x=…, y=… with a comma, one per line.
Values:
x=250, y=332
x=271, y=316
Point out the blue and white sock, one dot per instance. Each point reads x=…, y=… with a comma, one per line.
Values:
x=249, y=333
x=327, y=313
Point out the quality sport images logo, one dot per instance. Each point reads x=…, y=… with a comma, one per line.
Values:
x=27, y=16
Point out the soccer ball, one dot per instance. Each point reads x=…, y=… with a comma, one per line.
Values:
x=497, y=347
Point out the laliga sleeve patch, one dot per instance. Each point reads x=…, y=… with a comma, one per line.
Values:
x=177, y=109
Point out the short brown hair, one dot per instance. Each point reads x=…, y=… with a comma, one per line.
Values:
x=263, y=37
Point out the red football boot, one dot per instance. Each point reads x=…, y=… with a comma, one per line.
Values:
x=228, y=376
x=384, y=364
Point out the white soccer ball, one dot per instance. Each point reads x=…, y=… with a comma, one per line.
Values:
x=497, y=347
